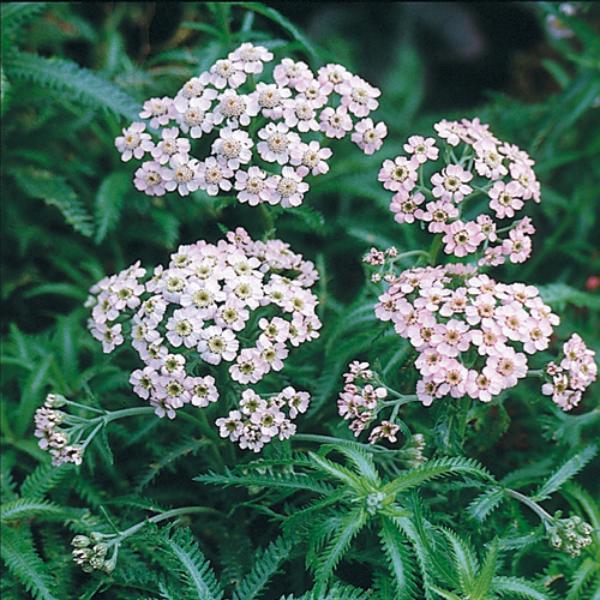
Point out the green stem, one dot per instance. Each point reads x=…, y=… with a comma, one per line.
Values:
x=176, y=512
x=402, y=399
x=85, y=407
x=535, y=373
x=224, y=14
x=411, y=253
x=463, y=415
x=268, y=220
x=434, y=250
x=534, y=506
x=126, y=412
x=91, y=436
x=399, y=395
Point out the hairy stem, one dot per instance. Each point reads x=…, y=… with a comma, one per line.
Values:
x=169, y=514
x=534, y=506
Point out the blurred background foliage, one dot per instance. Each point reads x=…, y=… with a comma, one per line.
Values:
x=74, y=74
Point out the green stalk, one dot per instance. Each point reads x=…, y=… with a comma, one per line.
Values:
x=163, y=517
x=434, y=250
x=534, y=506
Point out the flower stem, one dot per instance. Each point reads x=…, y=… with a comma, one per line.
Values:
x=411, y=253
x=176, y=512
x=434, y=250
x=85, y=407
x=534, y=506
x=535, y=373
x=126, y=412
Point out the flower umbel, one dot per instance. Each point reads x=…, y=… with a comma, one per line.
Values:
x=267, y=127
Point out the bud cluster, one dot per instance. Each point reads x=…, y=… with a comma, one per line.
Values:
x=90, y=553
x=361, y=400
x=571, y=534
x=573, y=375
x=54, y=438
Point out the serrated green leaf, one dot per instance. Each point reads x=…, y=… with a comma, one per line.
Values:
x=55, y=191
x=23, y=561
x=568, y=470
x=109, y=203
x=66, y=77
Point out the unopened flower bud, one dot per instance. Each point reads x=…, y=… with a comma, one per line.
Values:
x=374, y=502
x=81, y=555
x=96, y=537
x=100, y=550
x=80, y=541
x=96, y=563
x=570, y=535
x=55, y=401
x=109, y=566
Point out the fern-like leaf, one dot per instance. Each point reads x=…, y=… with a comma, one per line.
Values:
x=279, y=480
x=350, y=526
x=14, y=15
x=42, y=479
x=582, y=578
x=400, y=562
x=265, y=566
x=336, y=471
x=464, y=559
x=433, y=469
x=567, y=471
x=184, y=557
x=482, y=506
x=109, y=202
x=485, y=576
x=513, y=588
x=336, y=591
x=445, y=594
x=362, y=460
x=71, y=80
x=8, y=487
x=187, y=447
x=55, y=191
x=22, y=560
x=25, y=508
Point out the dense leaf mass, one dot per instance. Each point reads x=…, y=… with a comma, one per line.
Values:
x=381, y=488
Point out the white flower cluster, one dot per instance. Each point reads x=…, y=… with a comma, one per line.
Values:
x=225, y=106
x=472, y=333
x=469, y=171
x=52, y=437
x=259, y=420
x=573, y=375
x=196, y=311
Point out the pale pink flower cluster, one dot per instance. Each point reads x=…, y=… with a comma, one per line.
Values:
x=52, y=437
x=258, y=420
x=573, y=375
x=194, y=311
x=438, y=182
x=292, y=116
x=360, y=402
x=472, y=334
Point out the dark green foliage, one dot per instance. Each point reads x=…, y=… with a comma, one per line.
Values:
x=185, y=559
x=320, y=517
